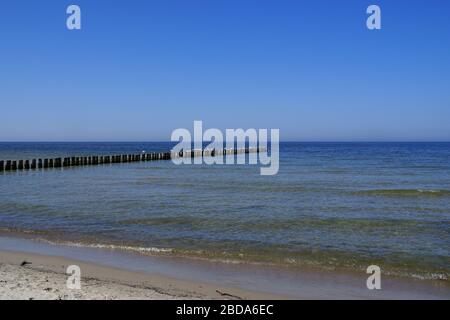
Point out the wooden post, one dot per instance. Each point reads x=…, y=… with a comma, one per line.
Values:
x=8, y=165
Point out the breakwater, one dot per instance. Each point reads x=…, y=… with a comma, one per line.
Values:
x=76, y=161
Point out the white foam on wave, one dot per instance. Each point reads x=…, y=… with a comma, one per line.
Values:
x=141, y=250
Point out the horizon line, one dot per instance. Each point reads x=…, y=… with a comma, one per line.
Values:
x=281, y=141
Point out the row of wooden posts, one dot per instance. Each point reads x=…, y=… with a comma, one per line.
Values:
x=14, y=165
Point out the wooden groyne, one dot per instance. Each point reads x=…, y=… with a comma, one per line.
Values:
x=49, y=163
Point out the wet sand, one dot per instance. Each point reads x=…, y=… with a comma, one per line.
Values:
x=38, y=277
x=108, y=274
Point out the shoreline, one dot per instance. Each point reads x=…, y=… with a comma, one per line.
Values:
x=116, y=275
x=53, y=239
x=38, y=277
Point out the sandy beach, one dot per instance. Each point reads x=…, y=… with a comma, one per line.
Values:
x=35, y=270
x=25, y=276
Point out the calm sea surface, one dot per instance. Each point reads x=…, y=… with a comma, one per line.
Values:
x=332, y=205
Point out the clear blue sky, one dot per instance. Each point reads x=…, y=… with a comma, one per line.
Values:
x=139, y=69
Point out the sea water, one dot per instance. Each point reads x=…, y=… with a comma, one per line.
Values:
x=331, y=206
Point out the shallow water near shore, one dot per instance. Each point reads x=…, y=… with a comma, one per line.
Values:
x=336, y=206
x=270, y=282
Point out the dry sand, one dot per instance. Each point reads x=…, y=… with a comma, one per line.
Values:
x=44, y=278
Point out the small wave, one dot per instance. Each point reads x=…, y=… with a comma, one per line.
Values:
x=141, y=250
x=299, y=224
x=406, y=192
x=22, y=207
